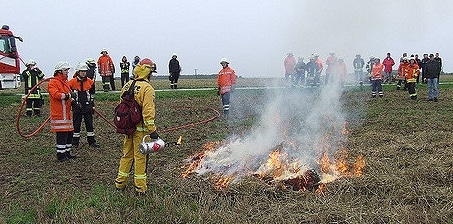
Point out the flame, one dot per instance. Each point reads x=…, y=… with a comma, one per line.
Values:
x=291, y=173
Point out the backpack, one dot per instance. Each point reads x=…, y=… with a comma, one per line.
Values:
x=128, y=113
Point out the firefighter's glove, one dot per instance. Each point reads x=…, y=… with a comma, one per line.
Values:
x=70, y=95
x=154, y=135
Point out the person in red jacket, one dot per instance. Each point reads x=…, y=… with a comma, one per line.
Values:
x=83, y=105
x=289, y=64
x=106, y=69
x=226, y=81
x=60, y=96
x=388, y=63
x=376, y=78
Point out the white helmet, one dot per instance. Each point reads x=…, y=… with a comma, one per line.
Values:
x=174, y=55
x=62, y=65
x=30, y=62
x=82, y=67
x=224, y=60
x=104, y=50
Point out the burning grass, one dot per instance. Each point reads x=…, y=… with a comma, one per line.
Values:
x=406, y=176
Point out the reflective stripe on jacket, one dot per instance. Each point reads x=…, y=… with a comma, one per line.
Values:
x=226, y=79
x=105, y=66
x=411, y=72
x=60, y=108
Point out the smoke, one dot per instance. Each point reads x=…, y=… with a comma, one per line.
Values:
x=301, y=123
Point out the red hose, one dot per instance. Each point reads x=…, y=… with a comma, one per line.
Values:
x=217, y=114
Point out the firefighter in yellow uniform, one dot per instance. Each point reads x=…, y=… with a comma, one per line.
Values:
x=32, y=76
x=144, y=95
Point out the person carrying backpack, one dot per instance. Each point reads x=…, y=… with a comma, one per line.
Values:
x=144, y=95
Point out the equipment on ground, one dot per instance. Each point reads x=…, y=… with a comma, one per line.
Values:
x=9, y=60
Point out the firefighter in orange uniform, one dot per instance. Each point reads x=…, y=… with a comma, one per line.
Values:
x=82, y=105
x=411, y=72
x=144, y=95
x=60, y=96
x=226, y=81
x=376, y=78
x=401, y=77
x=106, y=69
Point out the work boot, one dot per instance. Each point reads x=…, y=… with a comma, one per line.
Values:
x=94, y=145
x=37, y=113
x=69, y=156
x=62, y=157
x=28, y=113
x=176, y=86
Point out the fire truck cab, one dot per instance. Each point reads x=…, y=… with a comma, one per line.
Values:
x=9, y=60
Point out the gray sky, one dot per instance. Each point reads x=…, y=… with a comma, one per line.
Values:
x=254, y=35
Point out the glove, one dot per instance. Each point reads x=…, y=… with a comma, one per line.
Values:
x=92, y=110
x=154, y=135
x=70, y=95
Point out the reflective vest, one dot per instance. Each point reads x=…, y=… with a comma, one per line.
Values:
x=125, y=67
x=31, y=78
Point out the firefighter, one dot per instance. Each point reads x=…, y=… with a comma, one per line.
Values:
x=376, y=78
x=124, y=65
x=144, y=95
x=174, y=70
x=289, y=63
x=226, y=81
x=331, y=63
x=106, y=69
x=358, y=65
x=32, y=76
x=61, y=96
x=369, y=66
x=411, y=72
x=388, y=63
x=82, y=106
x=401, y=78
x=91, y=74
x=311, y=68
x=300, y=72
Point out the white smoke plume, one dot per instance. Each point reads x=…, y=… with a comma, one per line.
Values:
x=301, y=123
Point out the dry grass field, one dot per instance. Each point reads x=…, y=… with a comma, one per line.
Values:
x=407, y=145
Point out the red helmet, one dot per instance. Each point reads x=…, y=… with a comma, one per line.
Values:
x=146, y=61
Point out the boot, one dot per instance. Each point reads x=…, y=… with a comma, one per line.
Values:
x=62, y=157
x=29, y=113
x=75, y=142
x=92, y=142
x=176, y=86
x=38, y=113
x=69, y=156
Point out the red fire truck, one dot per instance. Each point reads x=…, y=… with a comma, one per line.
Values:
x=9, y=59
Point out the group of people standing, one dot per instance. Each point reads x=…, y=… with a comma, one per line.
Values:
x=408, y=74
x=300, y=73
x=377, y=72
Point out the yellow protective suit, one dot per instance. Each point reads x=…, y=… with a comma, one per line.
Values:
x=144, y=95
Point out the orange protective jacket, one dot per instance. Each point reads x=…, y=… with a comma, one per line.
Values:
x=411, y=71
x=60, y=107
x=105, y=66
x=226, y=79
x=401, y=69
x=376, y=71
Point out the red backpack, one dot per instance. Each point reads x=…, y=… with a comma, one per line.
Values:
x=128, y=113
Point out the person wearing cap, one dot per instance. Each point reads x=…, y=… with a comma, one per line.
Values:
x=144, y=95
x=124, y=65
x=174, y=69
x=82, y=105
x=401, y=77
x=411, y=72
x=91, y=74
x=106, y=69
x=32, y=76
x=358, y=65
x=61, y=96
x=431, y=74
x=226, y=81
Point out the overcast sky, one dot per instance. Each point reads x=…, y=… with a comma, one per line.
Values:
x=255, y=35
